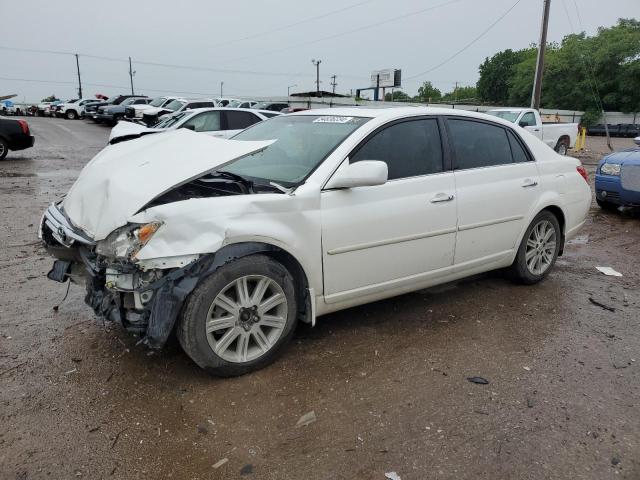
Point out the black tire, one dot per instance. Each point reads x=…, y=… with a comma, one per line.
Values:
x=562, y=147
x=116, y=119
x=4, y=148
x=191, y=330
x=519, y=272
x=608, y=206
x=71, y=115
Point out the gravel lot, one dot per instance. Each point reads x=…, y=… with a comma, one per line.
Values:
x=387, y=381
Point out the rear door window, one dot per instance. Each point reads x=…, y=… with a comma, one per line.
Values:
x=204, y=122
x=517, y=150
x=409, y=148
x=478, y=144
x=240, y=120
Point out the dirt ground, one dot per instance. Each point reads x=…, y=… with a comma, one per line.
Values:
x=387, y=381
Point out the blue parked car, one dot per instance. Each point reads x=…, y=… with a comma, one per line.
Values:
x=618, y=179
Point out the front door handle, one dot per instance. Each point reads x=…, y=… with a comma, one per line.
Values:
x=442, y=197
x=529, y=183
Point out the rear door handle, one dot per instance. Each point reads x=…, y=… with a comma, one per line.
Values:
x=529, y=183
x=442, y=197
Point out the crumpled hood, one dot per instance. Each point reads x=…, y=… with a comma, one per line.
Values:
x=123, y=178
x=124, y=129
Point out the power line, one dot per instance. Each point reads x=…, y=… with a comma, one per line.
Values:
x=484, y=32
x=60, y=82
x=291, y=25
x=348, y=32
x=165, y=65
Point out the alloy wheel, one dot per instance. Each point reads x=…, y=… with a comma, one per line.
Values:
x=541, y=247
x=562, y=149
x=246, y=318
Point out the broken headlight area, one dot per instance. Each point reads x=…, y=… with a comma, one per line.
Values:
x=126, y=242
x=120, y=292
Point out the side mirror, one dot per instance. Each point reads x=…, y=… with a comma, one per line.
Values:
x=189, y=127
x=523, y=124
x=366, y=173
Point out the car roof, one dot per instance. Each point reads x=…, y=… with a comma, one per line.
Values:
x=392, y=113
x=265, y=112
x=225, y=109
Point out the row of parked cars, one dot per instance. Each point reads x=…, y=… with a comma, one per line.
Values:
x=140, y=107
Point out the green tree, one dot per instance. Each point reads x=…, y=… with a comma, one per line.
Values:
x=398, y=96
x=50, y=98
x=428, y=93
x=461, y=94
x=581, y=73
x=497, y=72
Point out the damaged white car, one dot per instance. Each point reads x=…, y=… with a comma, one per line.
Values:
x=229, y=243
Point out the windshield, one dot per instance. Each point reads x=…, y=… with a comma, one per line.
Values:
x=72, y=101
x=129, y=101
x=158, y=101
x=174, y=105
x=171, y=120
x=509, y=115
x=301, y=143
x=234, y=103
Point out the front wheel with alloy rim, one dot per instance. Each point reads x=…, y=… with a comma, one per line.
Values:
x=4, y=149
x=240, y=318
x=538, y=250
x=71, y=115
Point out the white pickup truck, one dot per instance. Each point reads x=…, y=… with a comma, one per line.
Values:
x=73, y=109
x=559, y=136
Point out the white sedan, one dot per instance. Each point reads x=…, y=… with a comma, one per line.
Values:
x=217, y=122
x=231, y=242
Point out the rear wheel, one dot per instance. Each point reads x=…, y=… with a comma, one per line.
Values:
x=539, y=249
x=4, y=149
x=562, y=146
x=240, y=318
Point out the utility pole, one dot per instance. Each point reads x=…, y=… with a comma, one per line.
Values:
x=221, y=84
x=317, y=64
x=131, y=73
x=537, y=81
x=333, y=83
x=455, y=94
x=79, y=80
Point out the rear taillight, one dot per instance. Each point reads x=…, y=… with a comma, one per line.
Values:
x=583, y=173
x=24, y=126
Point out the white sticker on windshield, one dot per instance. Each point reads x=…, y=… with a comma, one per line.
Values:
x=333, y=119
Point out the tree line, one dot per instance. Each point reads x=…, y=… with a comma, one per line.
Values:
x=588, y=73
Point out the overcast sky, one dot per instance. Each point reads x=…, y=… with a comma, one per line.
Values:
x=281, y=43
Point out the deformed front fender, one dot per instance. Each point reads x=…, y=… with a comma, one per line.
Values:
x=172, y=290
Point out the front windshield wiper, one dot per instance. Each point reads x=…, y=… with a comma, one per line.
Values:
x=288, y=191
